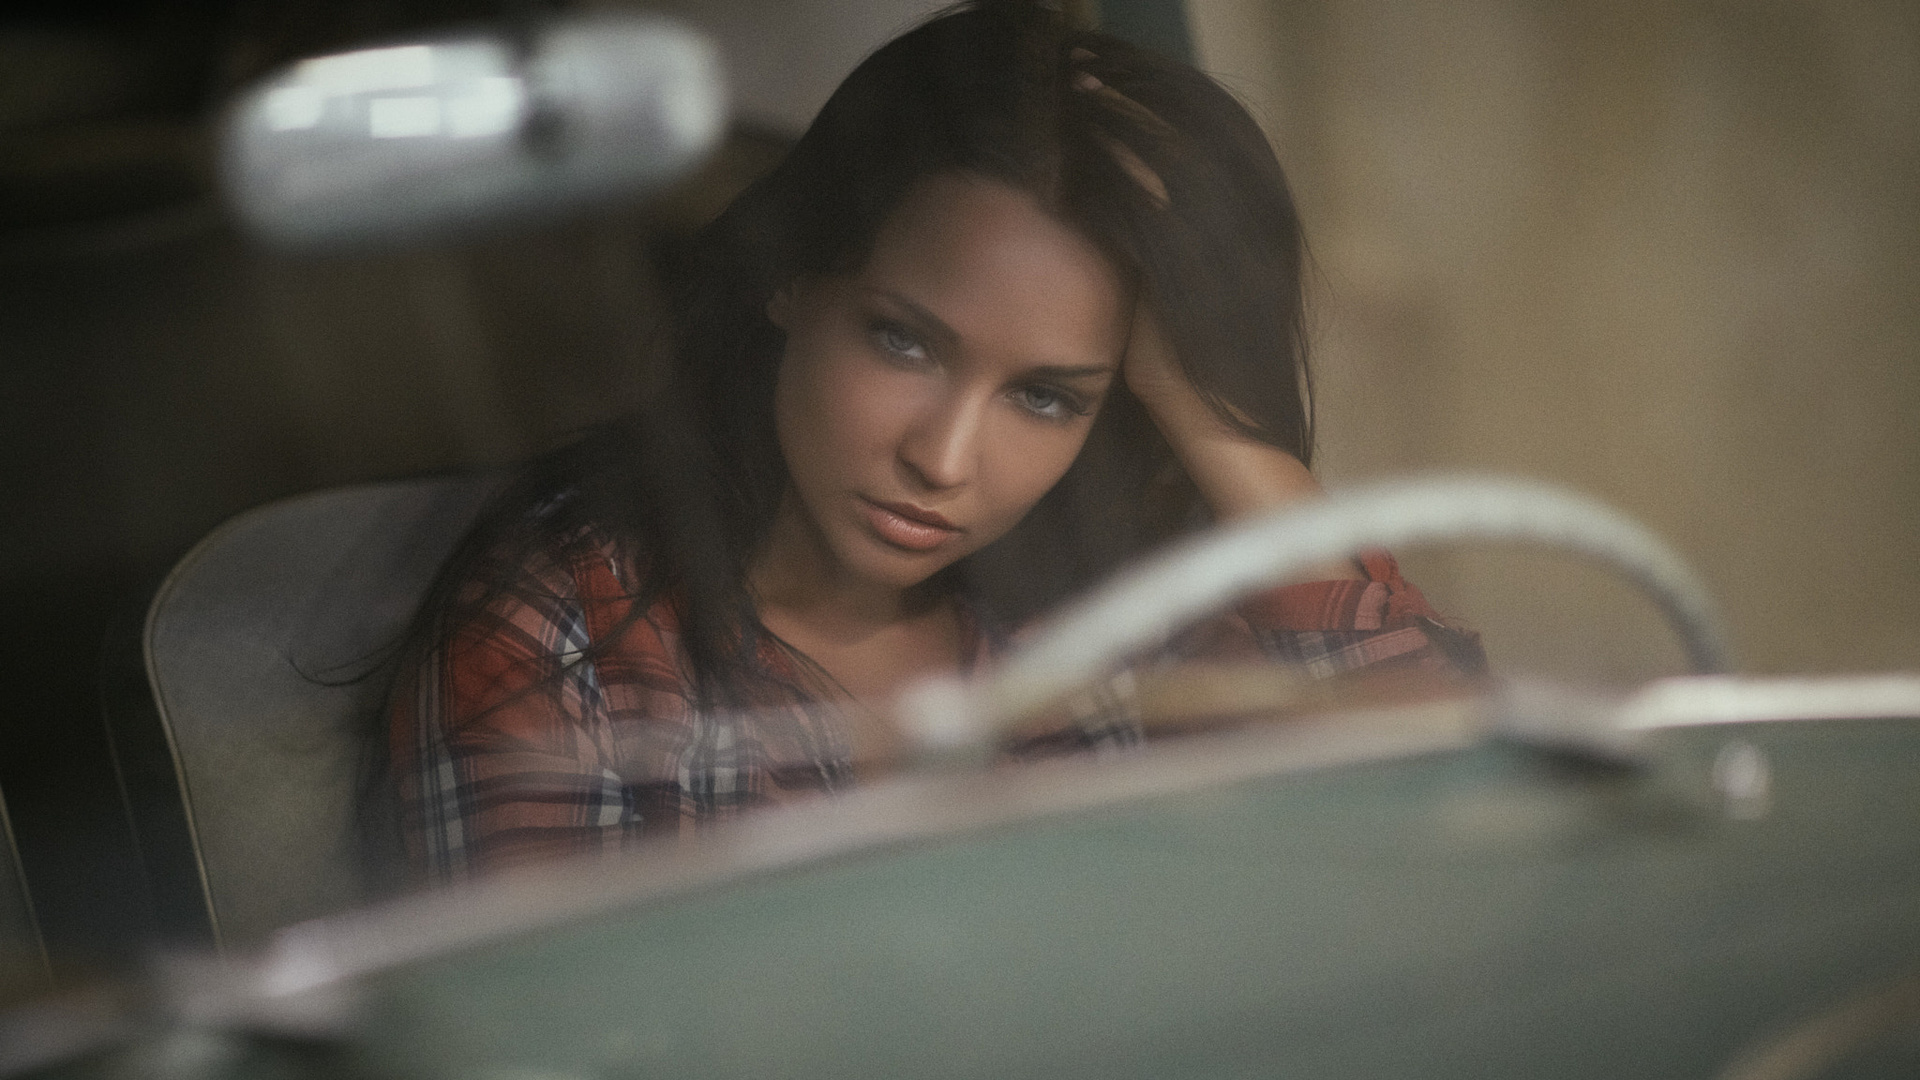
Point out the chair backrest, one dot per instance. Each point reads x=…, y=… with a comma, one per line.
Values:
x=23, y=953
x=251, y=649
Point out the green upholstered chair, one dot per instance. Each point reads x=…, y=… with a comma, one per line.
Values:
x=260, y=663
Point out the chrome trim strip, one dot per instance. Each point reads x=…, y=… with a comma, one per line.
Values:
x=950, y=717
x=1699, y=700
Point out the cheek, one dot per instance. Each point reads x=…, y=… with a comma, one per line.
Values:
x=802, y=422
x=1026, y=462
x=833, y=413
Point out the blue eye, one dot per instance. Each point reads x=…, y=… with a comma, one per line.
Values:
x=1050, y=403
x=896, y=341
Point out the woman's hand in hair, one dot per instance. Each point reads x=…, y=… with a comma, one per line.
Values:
x=1236, y=474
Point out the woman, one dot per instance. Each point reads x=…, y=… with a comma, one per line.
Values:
x=1023, y=302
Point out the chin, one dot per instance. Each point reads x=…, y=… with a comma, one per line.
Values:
x=911, y=573
x=886, y=565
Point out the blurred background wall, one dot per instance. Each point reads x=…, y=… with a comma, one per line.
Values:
x=1666, y=253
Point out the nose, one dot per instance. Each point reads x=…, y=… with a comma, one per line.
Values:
x=941, y=448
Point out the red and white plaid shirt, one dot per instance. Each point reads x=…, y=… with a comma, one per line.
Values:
x=507, y=748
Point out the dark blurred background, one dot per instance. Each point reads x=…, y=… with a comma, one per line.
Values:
x=1665, y=252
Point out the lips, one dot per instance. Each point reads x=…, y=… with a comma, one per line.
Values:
x=909, y=527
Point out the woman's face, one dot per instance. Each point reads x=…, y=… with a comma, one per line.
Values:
x=925, y=403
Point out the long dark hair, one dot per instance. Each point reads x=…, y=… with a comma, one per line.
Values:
x=1147, y=157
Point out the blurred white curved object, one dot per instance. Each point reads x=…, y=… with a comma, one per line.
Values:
x=390, y=143
x=1726, y=699
x=1210, y=572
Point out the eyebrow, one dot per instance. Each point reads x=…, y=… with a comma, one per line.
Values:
x=1063, y=371
x=930, y=321
x=939, y=328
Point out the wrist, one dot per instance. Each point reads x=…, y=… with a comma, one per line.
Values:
x=1181, y=413
x=1236, y=473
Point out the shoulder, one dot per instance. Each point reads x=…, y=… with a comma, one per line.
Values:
x=1378, y=620
x=530, y=592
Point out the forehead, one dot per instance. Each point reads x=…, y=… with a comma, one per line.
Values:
x=1000, y=271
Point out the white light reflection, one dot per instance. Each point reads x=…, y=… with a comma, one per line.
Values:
x=295, y=108
x=492, y=108
x=403, y=117
x=404, y=67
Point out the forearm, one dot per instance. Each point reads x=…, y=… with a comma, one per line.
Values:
x=1238, y=476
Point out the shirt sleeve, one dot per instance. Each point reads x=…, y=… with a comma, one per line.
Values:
x=502, y=745
x=1334, y=627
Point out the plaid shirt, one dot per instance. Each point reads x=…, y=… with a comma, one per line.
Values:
x=507, y=748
